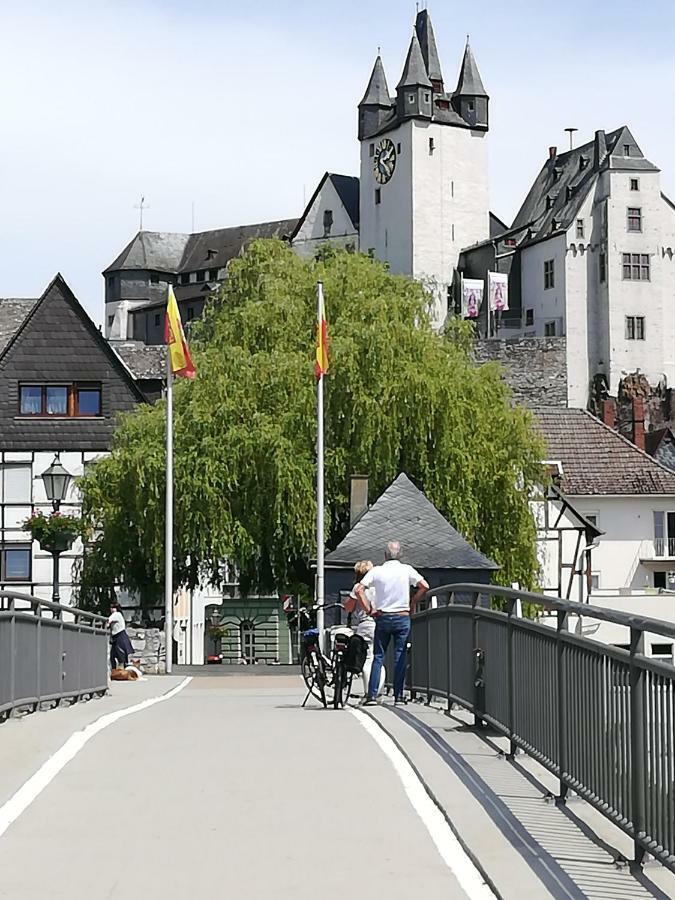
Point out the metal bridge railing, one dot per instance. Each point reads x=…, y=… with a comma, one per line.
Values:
x=602, y=719
x=49, y=653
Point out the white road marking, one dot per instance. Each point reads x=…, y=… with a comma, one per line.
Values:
x=452, y=853
x=31, y=789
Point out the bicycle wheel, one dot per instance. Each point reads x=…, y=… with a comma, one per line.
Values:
x=311, y=678
x=339, y=684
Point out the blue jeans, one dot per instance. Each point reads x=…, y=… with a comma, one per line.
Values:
x=386, y=627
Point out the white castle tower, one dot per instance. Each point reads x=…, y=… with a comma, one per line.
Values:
x=424, y=175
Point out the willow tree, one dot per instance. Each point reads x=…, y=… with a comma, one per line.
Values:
x=399, y=397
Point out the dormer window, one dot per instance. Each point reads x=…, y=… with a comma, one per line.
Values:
x=583, y=162
x=569, y=192
x=427, y=98
x=549, y=202
x=554, y=224
x=557, y=172
x=411, y=98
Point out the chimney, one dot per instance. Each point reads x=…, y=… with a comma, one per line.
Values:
x=552, y=152
x=609, y=412
x=600, y=153
x=358, y=498
x=639, y=422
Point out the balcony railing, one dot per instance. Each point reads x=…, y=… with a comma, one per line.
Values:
x=659, y=548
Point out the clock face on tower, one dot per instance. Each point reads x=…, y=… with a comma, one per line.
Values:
x=384, y=161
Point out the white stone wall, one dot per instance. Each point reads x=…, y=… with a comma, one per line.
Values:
x=628, y=526
x=311, y=234
x=450, y=202
x=635, y=298
x=435, y=204
x=386, y=228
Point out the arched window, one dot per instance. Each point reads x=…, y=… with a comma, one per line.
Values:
x=247, y=640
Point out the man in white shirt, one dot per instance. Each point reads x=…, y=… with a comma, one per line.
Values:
x=391, y=606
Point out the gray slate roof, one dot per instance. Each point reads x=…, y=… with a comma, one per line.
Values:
x=470, y=83
x=568, y=178
x=347, y=187
x=144, y=361
x=171, y=252
x=377, y=92
x=414, y=70
x=427, y=39
x=404, y=514
x=13, y=311
x=597, y=460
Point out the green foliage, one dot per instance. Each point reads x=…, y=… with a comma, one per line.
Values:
x=55, y=526
x=398, y=398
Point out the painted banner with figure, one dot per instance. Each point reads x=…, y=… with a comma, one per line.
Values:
x=472, y=297
x=498, y=288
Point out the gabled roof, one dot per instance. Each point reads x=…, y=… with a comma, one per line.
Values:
x=565, y=180
x=172, y=252
x=377, y=92
x=596, y=460
x=403, y=513
x=469, y=83
x=414, y=70
x=427, y=39
x=347, y=189
x=13, y=311
x=59, y=287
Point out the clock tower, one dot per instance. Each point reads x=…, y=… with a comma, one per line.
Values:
x=424, y=180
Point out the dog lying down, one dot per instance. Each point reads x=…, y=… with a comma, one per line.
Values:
x=131, y=673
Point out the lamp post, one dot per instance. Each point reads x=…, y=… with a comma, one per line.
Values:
x=57, y=480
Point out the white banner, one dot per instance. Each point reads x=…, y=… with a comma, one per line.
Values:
x=498, y=288
x=472, y=297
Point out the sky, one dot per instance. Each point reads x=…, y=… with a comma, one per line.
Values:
x=226, y=114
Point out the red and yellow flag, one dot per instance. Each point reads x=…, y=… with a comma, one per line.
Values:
x=321, y=364
x=174, y=338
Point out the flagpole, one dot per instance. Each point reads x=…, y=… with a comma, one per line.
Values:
x=168, y=520
x=320, y=588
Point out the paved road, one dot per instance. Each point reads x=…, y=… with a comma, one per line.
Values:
x=227, y=789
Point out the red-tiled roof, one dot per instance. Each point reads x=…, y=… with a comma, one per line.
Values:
x=597, y=460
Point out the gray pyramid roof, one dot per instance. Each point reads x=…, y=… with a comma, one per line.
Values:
x=377, y=92
x=470, y=83
x=427, y=39
x=404, y=514
x=414, y=71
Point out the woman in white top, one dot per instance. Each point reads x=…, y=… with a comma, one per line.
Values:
x=120, y=645
x=363, y=622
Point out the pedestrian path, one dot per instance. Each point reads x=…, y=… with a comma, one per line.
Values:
x=229, y=789
x=212, y=786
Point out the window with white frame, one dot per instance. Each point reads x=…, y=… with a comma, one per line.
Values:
x=635, y=328
x=635, y=184
x=634, y=218
x=580, y=228
x=636, y=267
x=549, y=274
x=16, y=483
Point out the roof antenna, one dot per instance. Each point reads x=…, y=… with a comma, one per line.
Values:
x=571, y=131
x=141, y=206
x=379, y=50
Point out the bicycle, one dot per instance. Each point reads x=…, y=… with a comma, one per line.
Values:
x=323, y=674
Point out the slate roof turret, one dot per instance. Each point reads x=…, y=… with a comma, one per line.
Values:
x=377, y=92
x=427, y=39
x=470, y=84
x=414, y=70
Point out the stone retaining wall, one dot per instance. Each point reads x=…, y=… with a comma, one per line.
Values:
x=149, y=650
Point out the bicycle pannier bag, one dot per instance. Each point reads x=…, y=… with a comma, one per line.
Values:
x=355, y=657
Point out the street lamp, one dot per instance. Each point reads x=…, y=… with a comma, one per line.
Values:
x=57, y=480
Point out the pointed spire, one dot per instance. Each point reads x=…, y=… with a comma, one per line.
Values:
x=427, y=39
x=414, y=71
x=377, y=92
x=470, y=83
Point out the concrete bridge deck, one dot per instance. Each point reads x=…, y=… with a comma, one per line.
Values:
x=225, y=787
